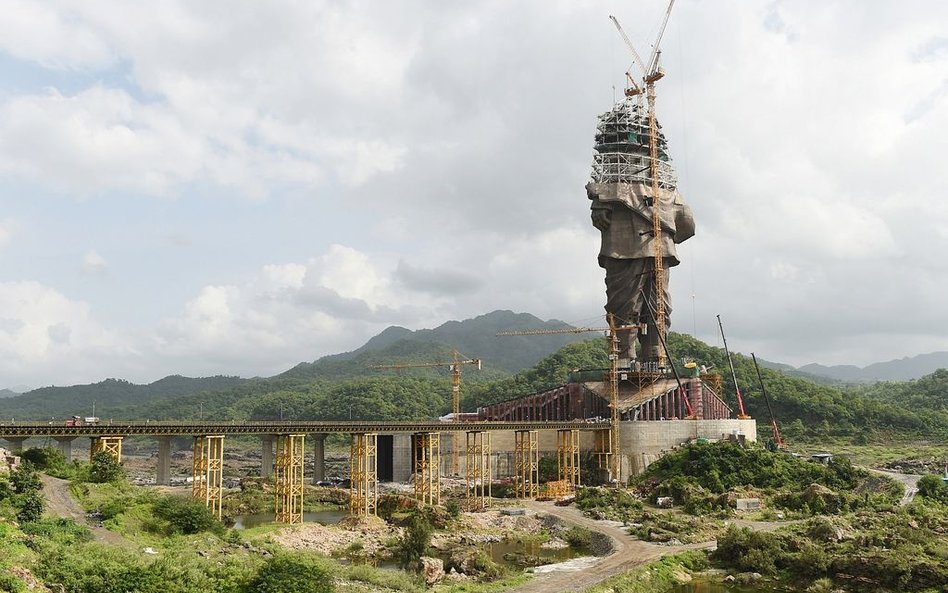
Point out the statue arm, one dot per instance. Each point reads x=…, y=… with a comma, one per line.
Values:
x=684, y=223
x=601, y=214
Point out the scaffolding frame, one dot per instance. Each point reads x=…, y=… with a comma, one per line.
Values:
x=363, y=474
x=478, y=469
x=207, y=472
x=567, y=456
x=110, y=445
x=288, y=502
x=624, y=149
x=427, y=451
x=603, y=452
x=527, y=463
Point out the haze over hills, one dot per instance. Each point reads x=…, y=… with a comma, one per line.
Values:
x=903, y=369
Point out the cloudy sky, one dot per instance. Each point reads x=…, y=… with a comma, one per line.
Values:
x=234, y=187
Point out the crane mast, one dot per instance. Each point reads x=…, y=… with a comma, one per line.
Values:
x=455, y=367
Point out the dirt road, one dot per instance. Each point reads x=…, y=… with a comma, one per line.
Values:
x=60, y=503
x=910, y=481
x=628, y=553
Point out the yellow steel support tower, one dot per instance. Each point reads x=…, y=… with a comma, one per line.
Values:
x=427, y=450
x=110, y=445
x=527, y=462
x=207, y=472
x=615, y=468
x=363, y=474
x=478, y=469
x=288, y=503
x=567, y=456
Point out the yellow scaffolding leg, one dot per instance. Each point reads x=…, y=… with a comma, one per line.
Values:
x=363, y=474
x=207, y=472
x=288, y=503
x=478, y=469
x=527, y=462
x=110, y=445
x=567, y=456
x=427, y=449
x=603, y=452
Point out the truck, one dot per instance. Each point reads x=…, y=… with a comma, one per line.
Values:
x=82, y=421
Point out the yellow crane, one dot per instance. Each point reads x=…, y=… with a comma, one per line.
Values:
x=455, y=367
x=652, y=73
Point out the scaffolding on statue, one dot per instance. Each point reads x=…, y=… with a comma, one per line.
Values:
x=207, y=472
x=527, y=462
x=478, y=469
x=110, y=445
x=623, y=152
x=363, y=474
x=567, y=456
x=427, y=451
x=288, y=503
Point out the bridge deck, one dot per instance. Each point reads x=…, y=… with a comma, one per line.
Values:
x=25, y=429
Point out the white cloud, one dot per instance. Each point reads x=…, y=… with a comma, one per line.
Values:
x=50, y=35
x=94, y=264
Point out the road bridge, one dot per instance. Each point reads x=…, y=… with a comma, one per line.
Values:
x=379, y=451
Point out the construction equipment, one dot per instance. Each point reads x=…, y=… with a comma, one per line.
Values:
x=652, y=73
x=740, y=400
x=455, y=367
x=610, y=446
x=681, y=389
x=773, y=420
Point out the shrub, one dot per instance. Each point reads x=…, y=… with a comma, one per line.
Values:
x=296, y=573
x=413, y=545
x=30, y=506
x=25, y=479
x=454, y=508
x=44, y=458
x=187, y=516
x=105, y=468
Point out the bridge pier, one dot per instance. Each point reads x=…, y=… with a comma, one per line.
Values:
x=64, y=444
x=16, y=443
x=163, y=475
x=401, y=457
x=266, y=457
x=319, y=457
x=479, y=476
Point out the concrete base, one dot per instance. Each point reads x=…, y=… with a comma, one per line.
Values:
x=642, y=443
x=16, y=443
x=401, y=457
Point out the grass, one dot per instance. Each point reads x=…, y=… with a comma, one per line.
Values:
x=655, y=577
x=477, y=587
x=872, y=455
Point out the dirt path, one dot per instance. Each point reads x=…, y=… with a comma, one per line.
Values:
x=627, y=554
x=60, y=503
x=910, y=481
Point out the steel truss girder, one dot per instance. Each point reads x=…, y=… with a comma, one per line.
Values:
x=363, y=474
x=527, y=463
x=207, y=472
x=478, y=469
x=567, y=456
x=288, y=473
x=427, y=452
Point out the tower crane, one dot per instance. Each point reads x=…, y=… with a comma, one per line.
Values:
x=455, y=367
x=651, y=73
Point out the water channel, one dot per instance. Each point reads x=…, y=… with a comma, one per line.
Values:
x=258, y=519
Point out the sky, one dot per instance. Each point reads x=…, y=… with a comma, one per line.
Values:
x=232, y=187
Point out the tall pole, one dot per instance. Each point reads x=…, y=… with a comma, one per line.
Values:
x=658, y=254
x=737, y=389
x=615, y=465
x=456, y=408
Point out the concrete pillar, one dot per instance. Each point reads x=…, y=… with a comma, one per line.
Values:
x=163, y=476
x=16, y=443
x=319, y=457
x=64, y=444
x=401, y=457
x=266, y=457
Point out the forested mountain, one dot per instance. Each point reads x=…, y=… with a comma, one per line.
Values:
x=110, y=396
x=474, y=338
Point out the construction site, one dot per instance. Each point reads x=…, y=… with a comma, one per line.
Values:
x=620, y=419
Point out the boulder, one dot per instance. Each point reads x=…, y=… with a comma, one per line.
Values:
x=433, y=569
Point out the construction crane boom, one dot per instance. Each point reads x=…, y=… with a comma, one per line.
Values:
x=541, y=332
x=651, y=73
x=455, y=366
x=740, y=400
x=773, y=419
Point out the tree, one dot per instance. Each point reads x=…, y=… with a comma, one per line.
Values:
x=933, y=487
x=187, y=516
x=30, y=506
x=105, y=468
x=297, y=573
x=25, y=478
x=415, y=542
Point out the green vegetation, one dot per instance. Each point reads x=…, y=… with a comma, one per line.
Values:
x=414, y=544
x=104, y=468
x=699, y=476
x=899, y=549
x=934, y=488
x=656, y=576
x=294, y=573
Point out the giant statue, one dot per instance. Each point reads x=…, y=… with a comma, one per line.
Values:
x=621, y=200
